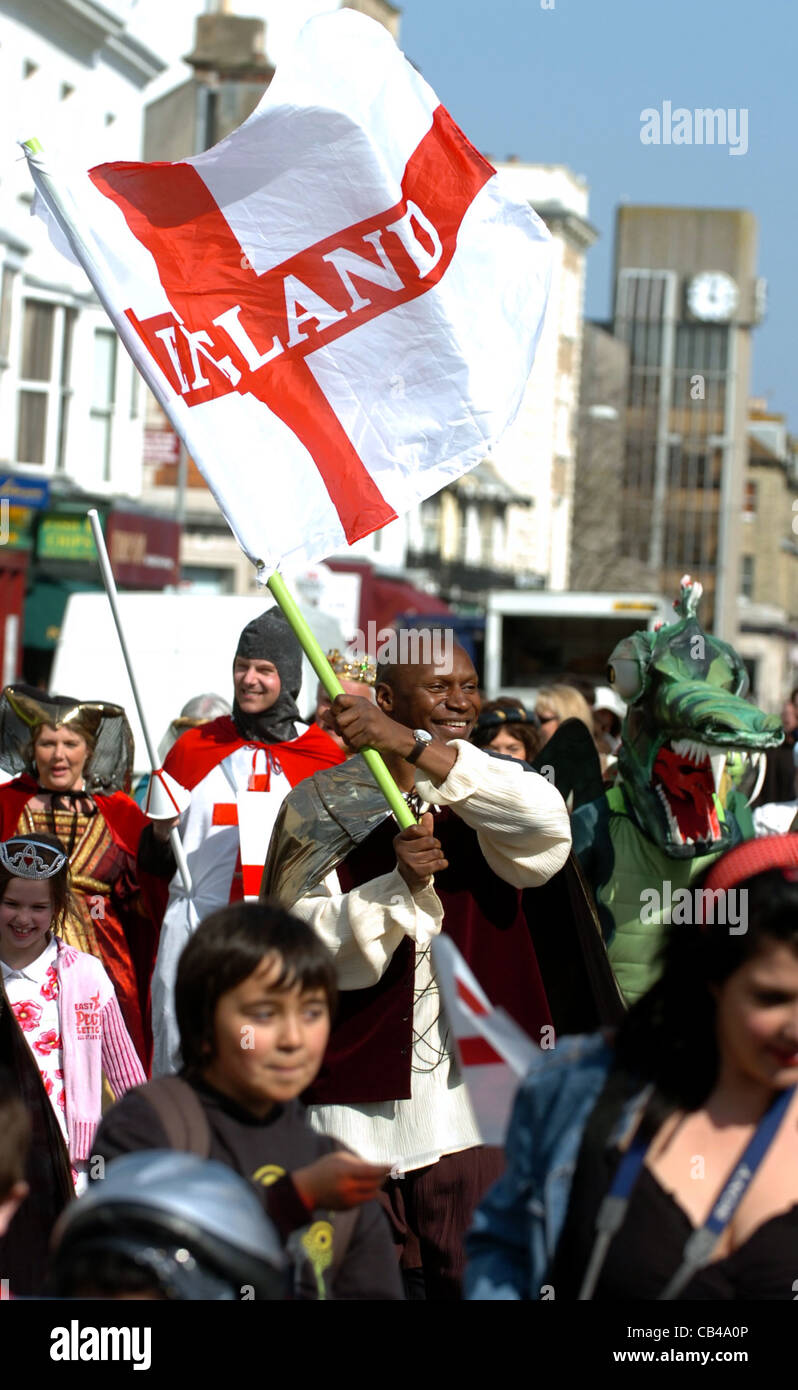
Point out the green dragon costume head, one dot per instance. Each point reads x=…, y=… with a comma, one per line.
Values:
x=685, y=692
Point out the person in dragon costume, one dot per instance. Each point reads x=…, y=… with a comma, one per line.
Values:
x=652, y=836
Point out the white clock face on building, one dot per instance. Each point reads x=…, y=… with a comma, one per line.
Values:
x=712, y=295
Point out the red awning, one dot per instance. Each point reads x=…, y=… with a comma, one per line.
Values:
x=389, y=599
x=383, y=600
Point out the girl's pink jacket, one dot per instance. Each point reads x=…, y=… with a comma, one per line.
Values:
x=94, y=1040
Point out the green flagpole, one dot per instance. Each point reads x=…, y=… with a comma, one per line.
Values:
x=333, y=686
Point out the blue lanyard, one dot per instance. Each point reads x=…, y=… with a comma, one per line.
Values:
x=700, y=1244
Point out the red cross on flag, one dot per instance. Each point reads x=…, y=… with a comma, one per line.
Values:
x=336, y=306
x=494, y=1053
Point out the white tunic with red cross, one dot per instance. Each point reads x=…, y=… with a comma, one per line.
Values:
x=237, y=789
x=210, y=833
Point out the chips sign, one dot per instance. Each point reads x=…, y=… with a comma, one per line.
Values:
x=65, y=538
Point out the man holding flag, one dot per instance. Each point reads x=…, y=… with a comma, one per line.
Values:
x=390, y=1088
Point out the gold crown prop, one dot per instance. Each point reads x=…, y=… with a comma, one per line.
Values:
x=353, y=668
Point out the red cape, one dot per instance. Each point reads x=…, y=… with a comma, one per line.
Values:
x=198, y=751
x=125, y=821
x=124, y=818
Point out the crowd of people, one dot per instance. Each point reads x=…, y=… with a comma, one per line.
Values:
x=251, y=1089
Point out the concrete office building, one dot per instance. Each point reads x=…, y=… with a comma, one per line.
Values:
x=686, y=299
x=598, y=561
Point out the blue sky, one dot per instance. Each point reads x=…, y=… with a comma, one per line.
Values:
x=567, y=86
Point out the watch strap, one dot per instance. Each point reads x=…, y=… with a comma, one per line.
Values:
x=415, y=754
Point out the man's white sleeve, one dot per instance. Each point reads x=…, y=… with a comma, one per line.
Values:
x=363, y=928
x=521, y=820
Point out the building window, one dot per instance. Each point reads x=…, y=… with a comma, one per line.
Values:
x=747, y=576
x=675, y=465
x=471, y=536
x=497, y=555
x=31, y=426
x=430, y=525
x=701, y=347
x=43, y=394
x=101, y=417
x=687, y=469
x=749, y=501
x=647, y=344
x=37, y=340
x=6, y=293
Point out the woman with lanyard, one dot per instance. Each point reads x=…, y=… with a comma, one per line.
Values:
x=73, y=761
x=663, y=1163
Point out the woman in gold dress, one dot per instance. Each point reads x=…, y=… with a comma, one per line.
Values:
x=74, y=759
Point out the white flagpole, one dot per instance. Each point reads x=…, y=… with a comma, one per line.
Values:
x=110, y=589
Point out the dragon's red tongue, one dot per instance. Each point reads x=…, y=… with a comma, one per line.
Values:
x=689, y=790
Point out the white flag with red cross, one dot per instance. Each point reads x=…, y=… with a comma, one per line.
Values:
x=336, y=306
x=494, y=1053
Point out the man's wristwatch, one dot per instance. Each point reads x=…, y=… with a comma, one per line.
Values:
x=423, y=740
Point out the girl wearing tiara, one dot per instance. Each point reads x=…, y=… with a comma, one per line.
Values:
x=62, y=998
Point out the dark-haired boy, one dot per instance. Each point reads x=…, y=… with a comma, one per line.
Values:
x=254, y=998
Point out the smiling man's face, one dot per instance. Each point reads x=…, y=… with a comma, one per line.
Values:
x=442, y=698
x=256, y=683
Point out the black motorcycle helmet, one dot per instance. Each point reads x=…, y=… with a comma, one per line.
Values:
x=173, y=1224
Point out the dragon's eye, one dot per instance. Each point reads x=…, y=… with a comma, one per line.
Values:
x=624, y=676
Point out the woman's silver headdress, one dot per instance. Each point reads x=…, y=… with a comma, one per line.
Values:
x=28, y=858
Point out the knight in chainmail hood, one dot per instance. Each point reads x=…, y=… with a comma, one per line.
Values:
x=270, y=638
x=238, y=769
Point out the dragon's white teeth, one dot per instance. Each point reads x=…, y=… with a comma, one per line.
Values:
x=718, y=763
x=692, y=749
x=673, y=824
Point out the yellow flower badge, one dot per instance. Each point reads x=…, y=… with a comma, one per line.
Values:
x=268, y=1174
x=317, y=1242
